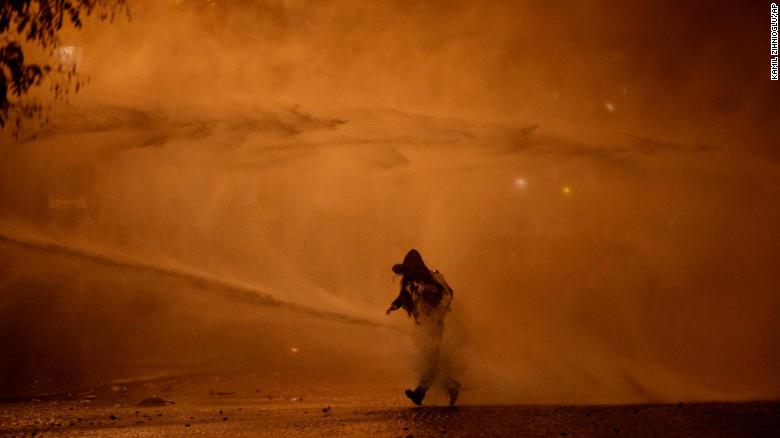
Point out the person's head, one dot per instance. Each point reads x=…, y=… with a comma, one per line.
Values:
x=413, y=267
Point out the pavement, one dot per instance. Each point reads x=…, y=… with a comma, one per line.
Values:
x=248, y=406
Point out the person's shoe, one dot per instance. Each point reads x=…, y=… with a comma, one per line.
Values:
x=453, y=389
x=416, y=396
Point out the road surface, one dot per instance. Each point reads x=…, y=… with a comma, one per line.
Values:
x=241, y=406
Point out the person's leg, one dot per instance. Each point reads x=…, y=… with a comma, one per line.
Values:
x=430, y=347
x=427, y=377
x=449, y=367
x=431, y=368
x=452, y=387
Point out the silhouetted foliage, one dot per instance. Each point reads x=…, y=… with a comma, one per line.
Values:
x=38, y=22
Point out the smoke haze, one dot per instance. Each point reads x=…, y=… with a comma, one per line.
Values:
x=597, y=182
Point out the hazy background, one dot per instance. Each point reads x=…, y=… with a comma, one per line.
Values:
x=597, y=181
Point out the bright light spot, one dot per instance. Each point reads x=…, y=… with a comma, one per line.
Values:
x=69, y=56
x=566, y=190
x=521, y=183
x=294, y=349
x=609, y=107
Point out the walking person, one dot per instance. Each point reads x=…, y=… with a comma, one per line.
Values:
x=426, y=297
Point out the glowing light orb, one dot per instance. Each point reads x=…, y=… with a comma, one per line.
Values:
x=294, y=349
x=521, y=183
x=566, y=190
x=609, y=106
x=68, y=56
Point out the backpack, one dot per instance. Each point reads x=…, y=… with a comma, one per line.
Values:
x=446, y=290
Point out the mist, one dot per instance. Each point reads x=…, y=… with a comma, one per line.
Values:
x=236, y=180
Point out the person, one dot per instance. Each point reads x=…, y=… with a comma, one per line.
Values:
x=426, y=297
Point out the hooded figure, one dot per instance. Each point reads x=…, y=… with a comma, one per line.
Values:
x=426, y=297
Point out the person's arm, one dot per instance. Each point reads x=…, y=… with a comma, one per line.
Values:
x=398, y=302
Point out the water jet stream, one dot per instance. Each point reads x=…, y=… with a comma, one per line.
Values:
x=248, y=294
